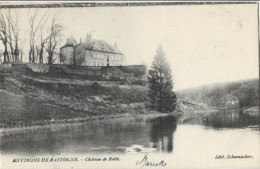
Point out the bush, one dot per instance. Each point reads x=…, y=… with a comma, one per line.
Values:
x=137, y=70
x=139, y=82
x=95, y=86
x=122, y=83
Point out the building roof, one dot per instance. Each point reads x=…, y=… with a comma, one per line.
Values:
x=229, y=97
x=70, y=42
x=100, y=45
x=93, y=44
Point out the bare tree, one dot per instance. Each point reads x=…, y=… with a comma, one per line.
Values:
x=13, y=34
x=62, y=58
x=54, y=38
x=43, y=40
x=33, y=30
x=21, y=48
x=37, y=22
x=9, y=30
x=4, y=35
x=16, y=31
x=34, y=27
x=21, y=52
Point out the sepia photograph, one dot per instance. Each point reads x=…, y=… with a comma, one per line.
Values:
x=129, y=85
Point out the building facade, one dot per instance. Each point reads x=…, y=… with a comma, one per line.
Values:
x=91, y=52
x=229, y=102
x=67, y=51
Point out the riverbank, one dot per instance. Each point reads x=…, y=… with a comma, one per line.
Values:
x=242, y=116
x=79, y=121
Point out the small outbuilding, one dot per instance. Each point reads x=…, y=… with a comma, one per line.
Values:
x=229, y=102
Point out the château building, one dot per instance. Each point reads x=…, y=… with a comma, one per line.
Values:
x=91, y=52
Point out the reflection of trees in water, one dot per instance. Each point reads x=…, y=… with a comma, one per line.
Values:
x=228, y=119
x=162, y=130
x=99, y=136
x=79, y=138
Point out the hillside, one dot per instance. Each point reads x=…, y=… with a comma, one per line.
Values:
x=28, y=98
x=247, y=91
x=33, y=97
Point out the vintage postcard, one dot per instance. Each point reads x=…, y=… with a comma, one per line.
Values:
x=133, y=85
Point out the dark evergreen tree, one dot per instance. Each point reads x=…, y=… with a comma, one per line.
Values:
x=161, y=96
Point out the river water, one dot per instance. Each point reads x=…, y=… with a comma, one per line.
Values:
x=216, y=133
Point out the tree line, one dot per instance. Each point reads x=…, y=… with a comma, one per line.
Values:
x=44, y=35
x=247, y=91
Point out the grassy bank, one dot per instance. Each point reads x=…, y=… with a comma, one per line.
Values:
x=27, y=101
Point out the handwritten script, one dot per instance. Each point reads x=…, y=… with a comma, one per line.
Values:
x=145, y=163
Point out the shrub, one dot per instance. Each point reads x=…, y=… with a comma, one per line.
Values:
x=139, y=82
x=137, y=70
x=122, y=83
x=95, y=86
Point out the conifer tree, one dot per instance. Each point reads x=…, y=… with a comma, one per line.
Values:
x=161, y=96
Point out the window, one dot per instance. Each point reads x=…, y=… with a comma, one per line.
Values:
x=94, y=63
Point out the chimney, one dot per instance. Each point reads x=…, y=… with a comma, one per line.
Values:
x=80, y=40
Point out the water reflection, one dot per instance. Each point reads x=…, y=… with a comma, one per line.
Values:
x=162, y=133
x=103, y=136
x=229, y=119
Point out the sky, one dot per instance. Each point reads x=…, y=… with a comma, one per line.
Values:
x=203, y=43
